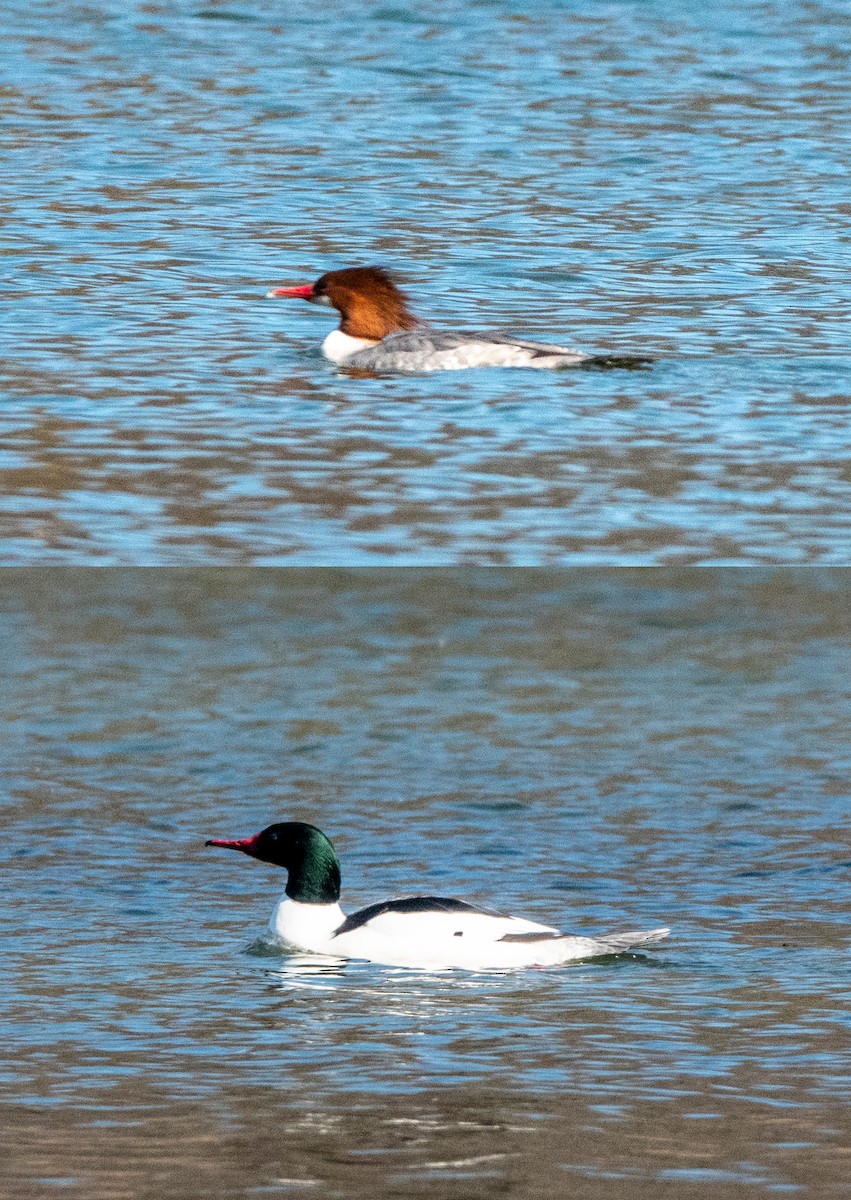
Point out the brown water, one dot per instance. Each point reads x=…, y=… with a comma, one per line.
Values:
x=606, y=750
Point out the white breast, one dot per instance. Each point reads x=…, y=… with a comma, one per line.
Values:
x=306, y=926
x=339, y=346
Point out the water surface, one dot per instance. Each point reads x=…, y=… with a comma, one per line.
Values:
x=600, y=750
x=623, y=176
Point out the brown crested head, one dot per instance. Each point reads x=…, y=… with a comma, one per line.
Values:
x=369, y=300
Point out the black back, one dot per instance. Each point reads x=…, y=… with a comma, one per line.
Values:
x=413, y=904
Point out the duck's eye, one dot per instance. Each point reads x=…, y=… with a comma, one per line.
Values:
x=319, y=295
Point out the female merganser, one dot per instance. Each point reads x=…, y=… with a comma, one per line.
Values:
x=378, y=333
x=422, y=931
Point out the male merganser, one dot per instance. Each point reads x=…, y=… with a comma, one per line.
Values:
x=430, y=932
x=379, y=333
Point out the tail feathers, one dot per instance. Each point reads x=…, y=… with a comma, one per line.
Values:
x=615, y=942
x=624, y=362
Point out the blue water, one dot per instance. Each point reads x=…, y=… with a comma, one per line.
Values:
x=602, y=750
x=671, y=180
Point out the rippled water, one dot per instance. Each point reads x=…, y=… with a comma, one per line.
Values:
x=671, y=179
x=603, y=750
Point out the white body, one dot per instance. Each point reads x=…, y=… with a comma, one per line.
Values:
x=425, y=349
x=438, y=940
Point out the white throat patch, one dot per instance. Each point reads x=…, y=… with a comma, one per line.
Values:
x=339, y=347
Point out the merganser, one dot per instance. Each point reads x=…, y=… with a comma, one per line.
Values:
x=429, y=932
x=379, y=333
